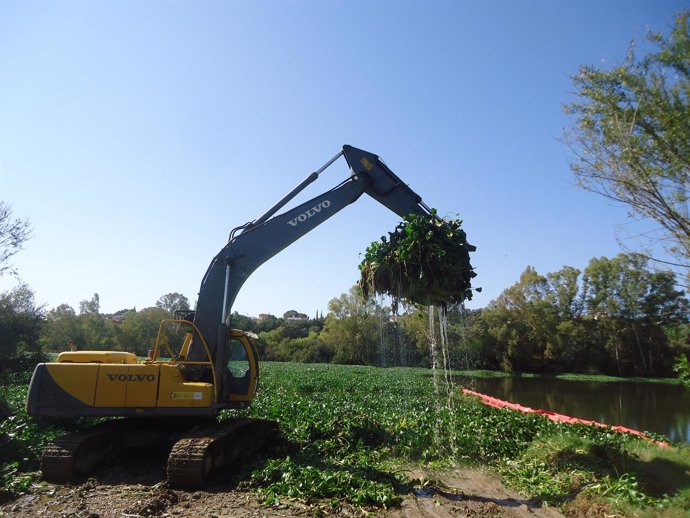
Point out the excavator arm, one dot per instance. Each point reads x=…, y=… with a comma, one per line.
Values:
x=254, y=243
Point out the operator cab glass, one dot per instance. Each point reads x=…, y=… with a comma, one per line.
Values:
x=241, y=369
x=238, y=361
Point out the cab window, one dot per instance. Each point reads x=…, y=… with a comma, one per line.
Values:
x=238, y=362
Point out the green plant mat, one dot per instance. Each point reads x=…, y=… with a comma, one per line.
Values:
x=426, y=260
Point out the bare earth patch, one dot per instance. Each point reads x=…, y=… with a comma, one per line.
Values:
x=468, y=493
x=140, y=490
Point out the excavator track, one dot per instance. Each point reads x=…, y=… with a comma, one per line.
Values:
x=195, y=456
x=78, y=453
x=198, y=449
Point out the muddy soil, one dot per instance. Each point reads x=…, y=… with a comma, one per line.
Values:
x=140, y=490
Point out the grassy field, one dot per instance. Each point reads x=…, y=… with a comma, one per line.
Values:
x=351, y=434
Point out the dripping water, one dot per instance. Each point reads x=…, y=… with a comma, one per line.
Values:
x=442, y=358
x=444, y=435
x=393, y=351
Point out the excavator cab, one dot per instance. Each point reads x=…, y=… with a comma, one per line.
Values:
x=235, y=372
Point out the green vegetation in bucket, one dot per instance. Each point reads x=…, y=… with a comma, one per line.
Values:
x=426, y=260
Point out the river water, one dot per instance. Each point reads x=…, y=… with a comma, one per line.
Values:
x=648, y=407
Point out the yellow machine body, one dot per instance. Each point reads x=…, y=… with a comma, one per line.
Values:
x=81, y=383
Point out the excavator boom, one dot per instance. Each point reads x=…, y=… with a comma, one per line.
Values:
x=256, y=242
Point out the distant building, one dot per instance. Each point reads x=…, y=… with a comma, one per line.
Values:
x=115, y=319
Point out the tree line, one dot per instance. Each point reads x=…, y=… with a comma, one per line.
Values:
x=616, y=317
x=28, y=332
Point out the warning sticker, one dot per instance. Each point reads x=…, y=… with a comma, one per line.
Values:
x=186, y=395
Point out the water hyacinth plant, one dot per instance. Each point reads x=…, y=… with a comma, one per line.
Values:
x=426, y=261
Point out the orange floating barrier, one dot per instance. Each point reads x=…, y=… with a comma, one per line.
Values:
x=558, y=418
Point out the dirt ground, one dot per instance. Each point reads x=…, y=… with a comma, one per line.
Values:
x=140, y=490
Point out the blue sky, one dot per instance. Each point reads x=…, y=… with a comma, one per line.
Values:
x=135, y=135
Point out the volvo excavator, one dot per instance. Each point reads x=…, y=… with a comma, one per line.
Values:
x=170, y=399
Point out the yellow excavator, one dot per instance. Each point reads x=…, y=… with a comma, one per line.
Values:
x=170, y=399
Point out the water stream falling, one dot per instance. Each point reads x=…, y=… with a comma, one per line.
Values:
x=444, y=392
x=393, y=351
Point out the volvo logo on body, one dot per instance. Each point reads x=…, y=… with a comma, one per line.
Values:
x=308, y=214
x=131, y=377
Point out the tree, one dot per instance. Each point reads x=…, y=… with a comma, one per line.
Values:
x=682, y=369
x=620, y=317
x=13, y=233
x=139, y=329
x=266, y=323
x=631, y=138
x=635, y=309
x=563, y=292
x=351, y=328
x=243, y=322
x=20, y=327
x=523, y=322
x=410, y=338
x=61, y=329
x=172, y=302
x=93, y=306
x=95, y=332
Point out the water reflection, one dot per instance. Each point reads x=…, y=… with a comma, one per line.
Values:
x=659, y=408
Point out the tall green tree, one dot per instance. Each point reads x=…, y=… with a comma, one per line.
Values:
x=351, y=328
x=619, y=317
x=95, y=331
x=61, y=330
x=14, y=232
x=634, y=307
x=20, y=327
x=563, y=292
x=523, y=323
x=571, y=342
x=465, y=345
x=605, y=283
x=137, y=332
x=631, y=137
x=92, y=306
x=172, y=302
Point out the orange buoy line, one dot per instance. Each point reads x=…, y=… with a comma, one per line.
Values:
x=558, y=418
